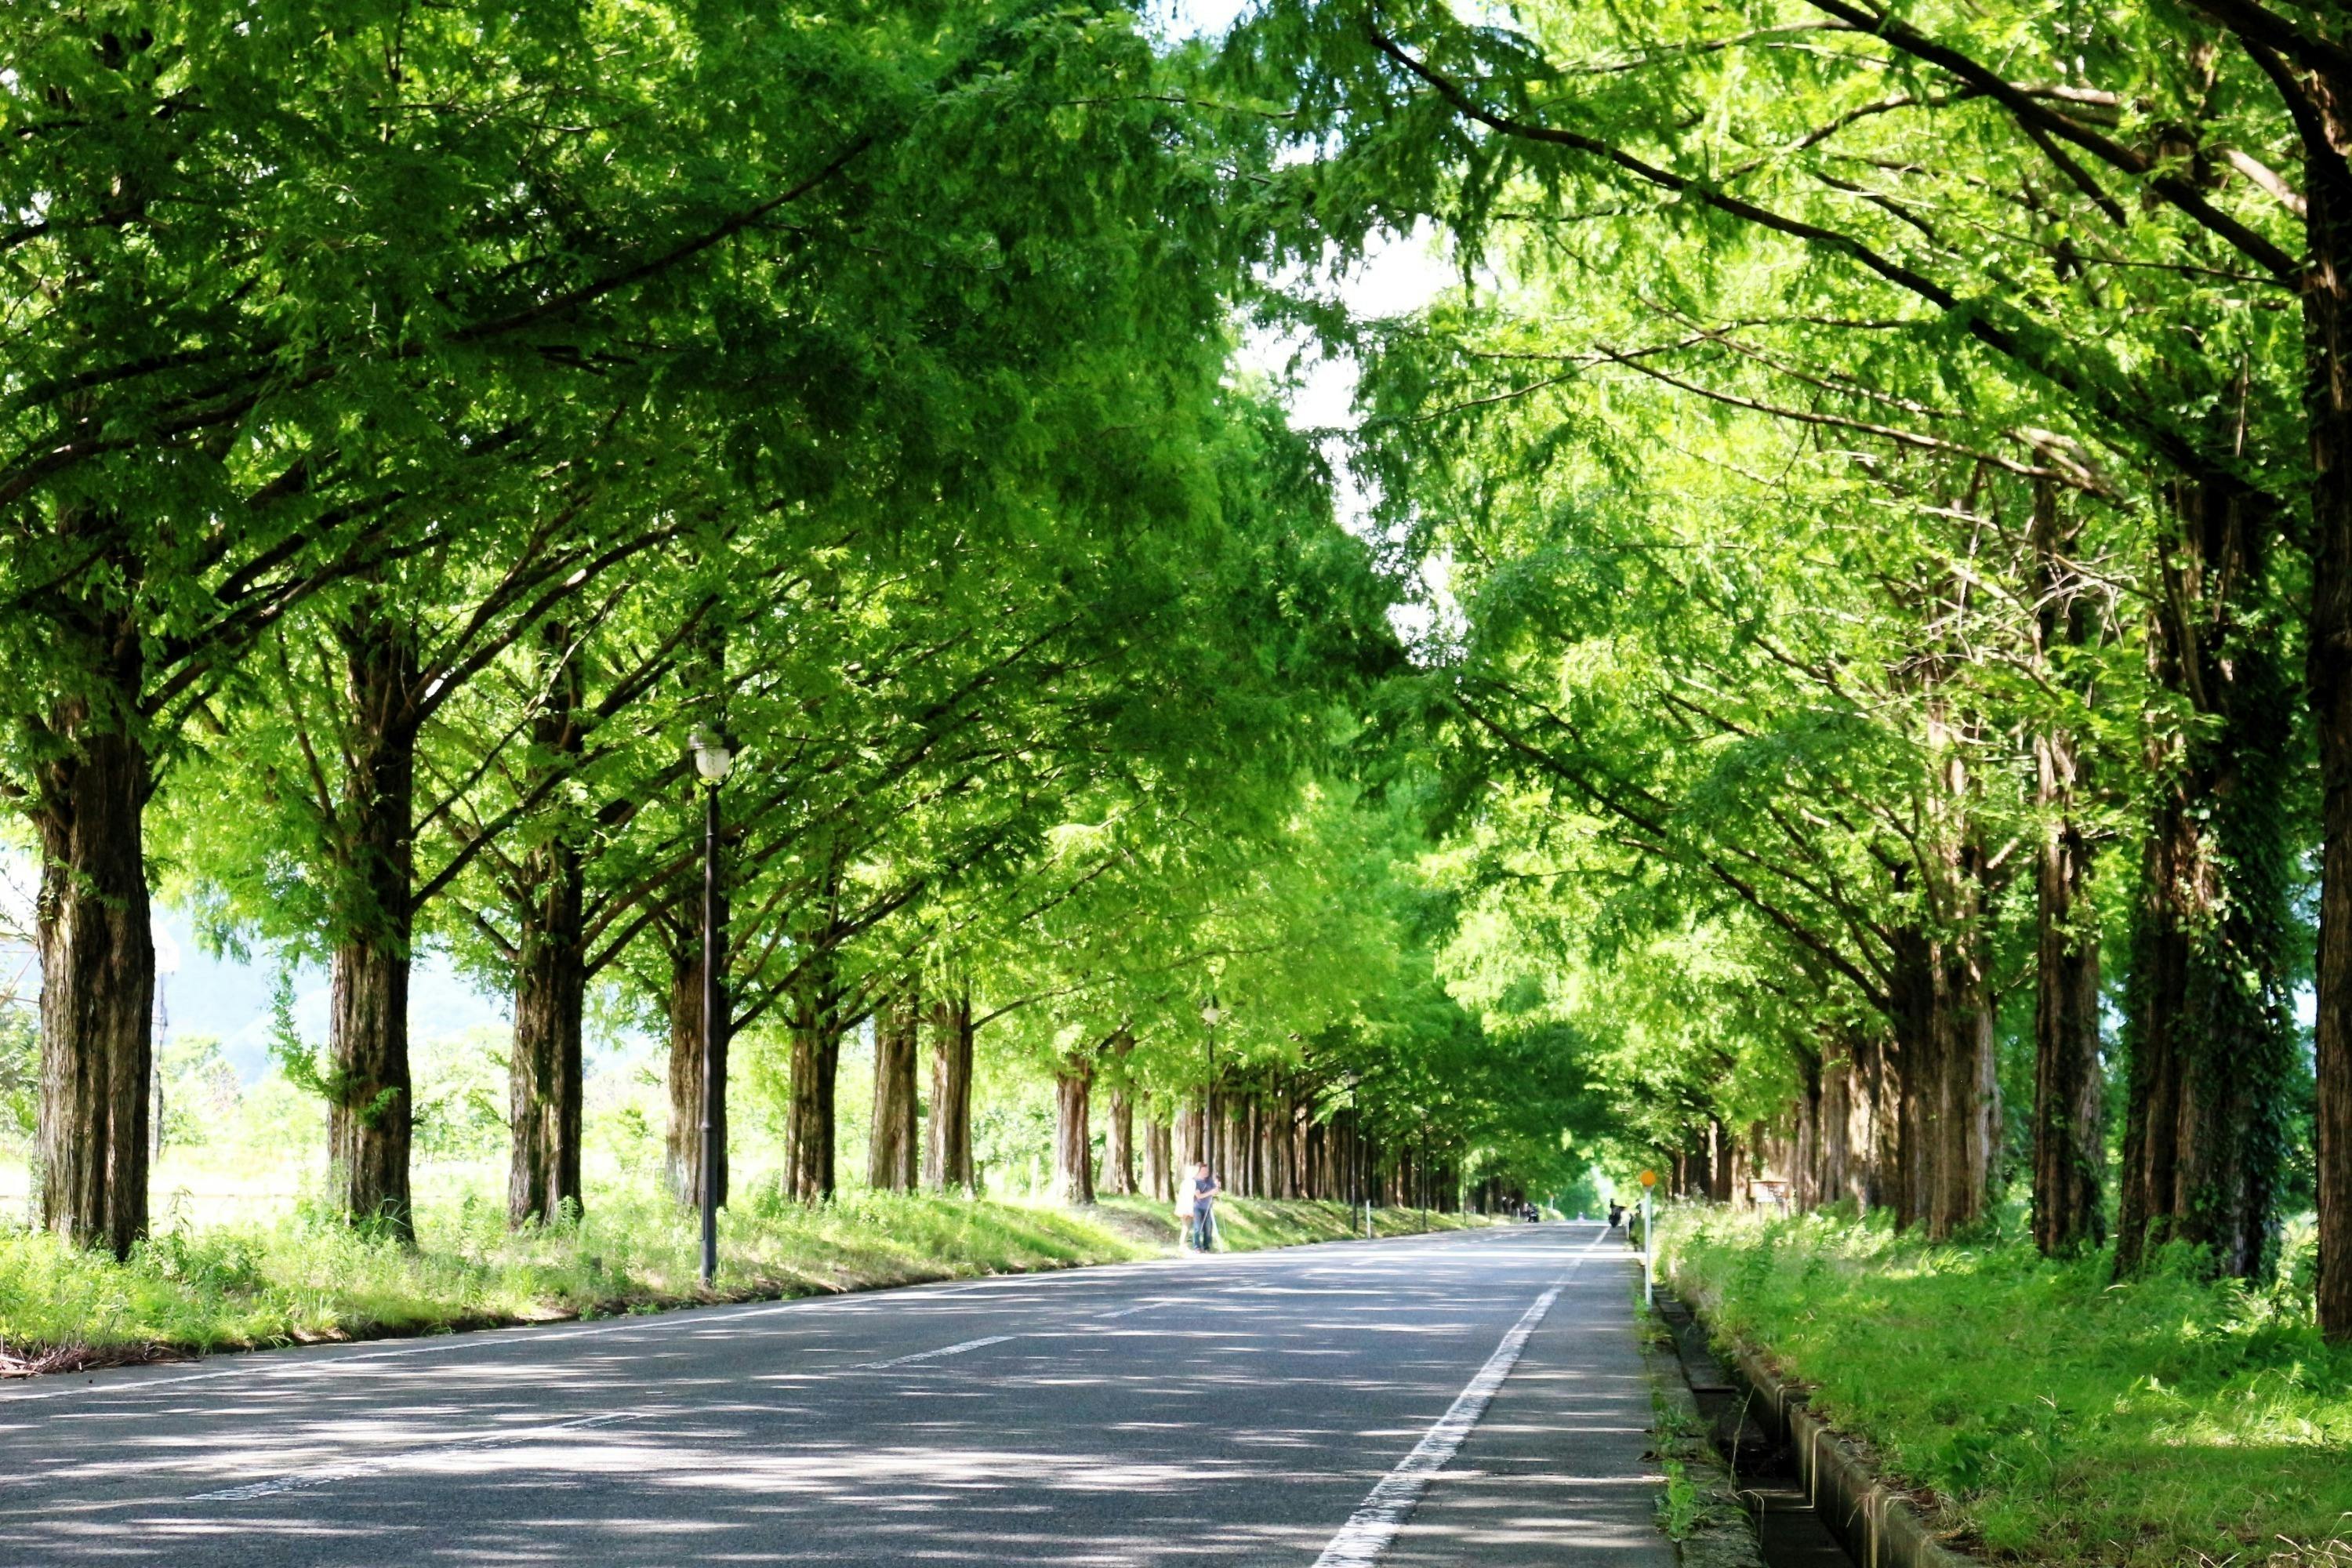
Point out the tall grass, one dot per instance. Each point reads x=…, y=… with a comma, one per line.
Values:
x=2058, y=1417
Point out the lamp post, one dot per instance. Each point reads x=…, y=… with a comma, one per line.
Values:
x=711, y=763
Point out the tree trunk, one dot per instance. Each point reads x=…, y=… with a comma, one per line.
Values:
x=682, y=1148
x=893, y=1155
x=1968, y=1124
x=947, y=1150
x=98, y=977
x=810, y=1126
x=1119, y=1148
x=1074, y=1154
x=2326, y=290
x=1158, y=1160
x=544, y=1074
x=2208, y=1028
x=1802, y=1161
x=370, y=1113
x=1913, y=1083
x=2069, y=1116
x=545, y=1071
x=1718, y=1161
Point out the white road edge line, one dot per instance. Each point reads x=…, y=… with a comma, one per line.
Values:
x=1370, y=1529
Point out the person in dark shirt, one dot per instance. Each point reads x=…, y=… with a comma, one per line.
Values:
x=1205, y=1188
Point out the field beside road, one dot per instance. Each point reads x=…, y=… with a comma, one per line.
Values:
x=2055, y=1415
x=301, y=1279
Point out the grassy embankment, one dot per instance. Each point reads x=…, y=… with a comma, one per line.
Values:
x=2056, y=1416
x=297, y=1281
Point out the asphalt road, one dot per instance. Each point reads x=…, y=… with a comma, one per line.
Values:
x=1473, y=1398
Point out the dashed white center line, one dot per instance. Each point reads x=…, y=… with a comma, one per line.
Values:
x=931, y=1355
x=299, y=1480
x=1370, y=1529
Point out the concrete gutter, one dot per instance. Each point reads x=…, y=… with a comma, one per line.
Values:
x=1876, y=1523
x=1724, y=1535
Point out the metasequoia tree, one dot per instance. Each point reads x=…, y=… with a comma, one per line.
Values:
x=2082, y=238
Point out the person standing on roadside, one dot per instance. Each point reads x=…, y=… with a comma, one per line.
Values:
x=1205, y=1188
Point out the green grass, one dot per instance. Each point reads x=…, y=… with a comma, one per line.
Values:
x=2057, y=1417
x=300, y=1280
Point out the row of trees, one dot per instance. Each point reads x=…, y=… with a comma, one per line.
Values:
x=1891, y=470
x=418, y=422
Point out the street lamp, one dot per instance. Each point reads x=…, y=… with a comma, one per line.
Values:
x=712, y=762
x=1210, y=1014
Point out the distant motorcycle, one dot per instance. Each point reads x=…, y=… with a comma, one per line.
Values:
x=1529, y=1213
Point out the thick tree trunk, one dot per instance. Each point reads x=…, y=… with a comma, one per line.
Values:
x=2327, y=405
x=551, y=981
x=810, y=1126
x=682, y=1146
x=2208, y=1028
x=2069, y=1119
x=370, y=1114
x=1969, y=1123
x=2069, y=1116
x=1118, y=1143
x=947, y=1147
x=97, y=980
x=1074, y=1153
x=544, y=1073
x=1914, y=1085
x=893, y=1156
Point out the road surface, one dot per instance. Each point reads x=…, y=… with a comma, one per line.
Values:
x=1472, y=1397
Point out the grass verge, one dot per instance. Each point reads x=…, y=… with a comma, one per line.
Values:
x=2055, y=1415
x=300, y=1280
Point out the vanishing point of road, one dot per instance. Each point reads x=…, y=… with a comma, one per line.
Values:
x=1470, y=1397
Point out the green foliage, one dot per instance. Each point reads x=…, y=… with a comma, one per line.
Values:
x=2057, y=1417
x=1678, y=1505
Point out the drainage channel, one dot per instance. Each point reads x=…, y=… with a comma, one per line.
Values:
x=1790, y=1530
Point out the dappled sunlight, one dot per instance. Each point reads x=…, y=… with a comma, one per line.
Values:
x=1237, y=1413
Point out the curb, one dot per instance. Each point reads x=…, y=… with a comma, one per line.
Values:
x=1876, y=1523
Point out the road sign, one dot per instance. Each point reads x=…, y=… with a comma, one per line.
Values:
x=1649, y=1178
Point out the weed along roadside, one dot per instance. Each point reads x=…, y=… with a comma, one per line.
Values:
x=1977, y=1402
x=243, y=1286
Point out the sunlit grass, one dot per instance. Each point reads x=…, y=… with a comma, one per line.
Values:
x=2058, y=1415
x=302, y=1277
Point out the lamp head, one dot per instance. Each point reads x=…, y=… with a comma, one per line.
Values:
x=712, y=759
